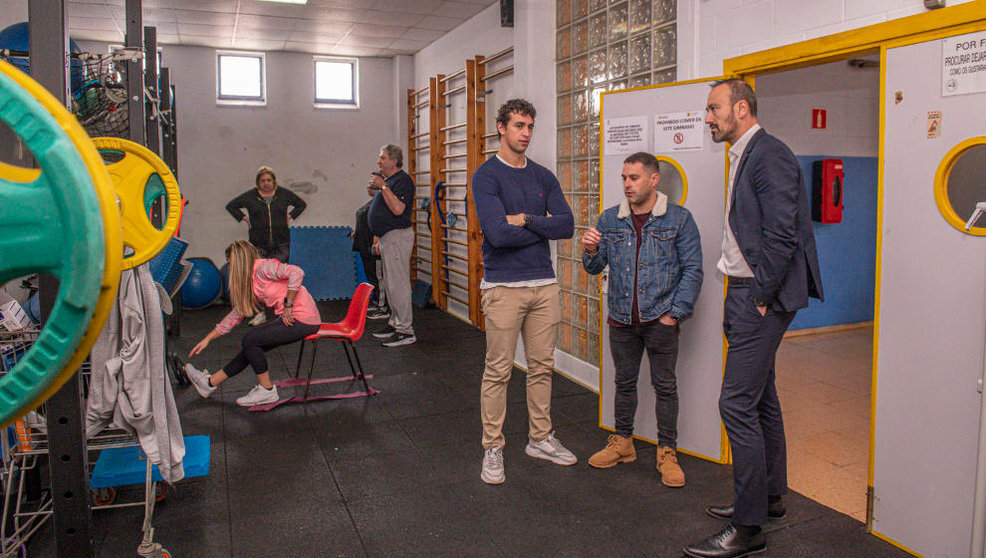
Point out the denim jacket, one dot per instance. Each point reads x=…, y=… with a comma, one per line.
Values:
x=669, y=268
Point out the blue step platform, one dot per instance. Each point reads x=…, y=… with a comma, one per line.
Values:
x=123, y=466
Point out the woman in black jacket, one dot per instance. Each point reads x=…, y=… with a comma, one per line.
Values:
x=265, y=209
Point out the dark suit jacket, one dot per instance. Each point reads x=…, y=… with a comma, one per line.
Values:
x=771, y=221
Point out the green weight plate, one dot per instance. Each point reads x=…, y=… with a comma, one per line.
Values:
x=53, y=222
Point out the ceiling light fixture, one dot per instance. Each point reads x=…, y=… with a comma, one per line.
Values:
x=286, y=1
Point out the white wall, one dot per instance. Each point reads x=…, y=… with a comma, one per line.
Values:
x=849, y=95
x=480, y=35
x=220, y=147
x=13, y=11
x=710, y=31
x=403, y=72
x=533, y=39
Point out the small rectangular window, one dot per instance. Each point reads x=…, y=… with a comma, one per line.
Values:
x=241, y=78
x=336, y=82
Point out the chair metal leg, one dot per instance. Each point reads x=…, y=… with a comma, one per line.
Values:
x=301, y=351
x=311, y=369
x=345, y=348
x=362, y=375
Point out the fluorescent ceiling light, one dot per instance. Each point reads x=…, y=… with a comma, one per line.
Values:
x=286, y=1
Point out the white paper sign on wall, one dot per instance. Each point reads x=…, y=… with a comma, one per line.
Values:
x=963, y=68
x=679, y=131
x=625, y=135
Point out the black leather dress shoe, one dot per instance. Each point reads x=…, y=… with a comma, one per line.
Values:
x=728, y=543
x=775, y=511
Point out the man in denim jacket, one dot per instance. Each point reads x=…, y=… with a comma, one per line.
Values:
x=654, y=254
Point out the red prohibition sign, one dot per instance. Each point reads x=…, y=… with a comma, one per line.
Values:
x=679, y=137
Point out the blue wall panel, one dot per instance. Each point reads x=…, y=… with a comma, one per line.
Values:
x=846, y=250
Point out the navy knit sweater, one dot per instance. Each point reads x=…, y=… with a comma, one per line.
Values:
x=512, y=253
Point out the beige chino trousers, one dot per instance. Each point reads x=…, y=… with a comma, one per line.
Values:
x=534, y=313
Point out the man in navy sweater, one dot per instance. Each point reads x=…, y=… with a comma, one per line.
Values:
x=520, y=207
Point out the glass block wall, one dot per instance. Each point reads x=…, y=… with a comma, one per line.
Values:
x=601, y=45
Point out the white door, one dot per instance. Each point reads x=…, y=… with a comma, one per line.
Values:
x=932, y=314
x=699, y=370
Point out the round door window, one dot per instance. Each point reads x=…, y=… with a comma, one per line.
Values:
x=673, y=183
x=960, y=186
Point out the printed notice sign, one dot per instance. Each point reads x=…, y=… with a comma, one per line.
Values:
x=963, y=68
x=679, y=131
x=934, y=124
x=625, y=135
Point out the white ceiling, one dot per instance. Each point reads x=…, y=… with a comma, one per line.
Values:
x=336, y=27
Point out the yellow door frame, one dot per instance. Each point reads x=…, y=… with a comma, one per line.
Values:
x=919, y=28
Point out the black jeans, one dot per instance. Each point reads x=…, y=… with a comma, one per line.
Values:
x=627, y=346
x=749, y=406
x=262, y=339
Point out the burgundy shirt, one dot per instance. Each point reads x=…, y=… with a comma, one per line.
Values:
x=638, y=225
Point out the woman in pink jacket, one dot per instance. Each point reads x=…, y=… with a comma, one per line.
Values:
x=254, y=280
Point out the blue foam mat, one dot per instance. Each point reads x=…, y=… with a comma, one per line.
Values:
x=124, y=466
x=325, y=254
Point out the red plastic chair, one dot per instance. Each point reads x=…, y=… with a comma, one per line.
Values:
x=348, y=331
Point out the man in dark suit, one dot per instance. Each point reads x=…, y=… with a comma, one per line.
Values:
x=770, y=262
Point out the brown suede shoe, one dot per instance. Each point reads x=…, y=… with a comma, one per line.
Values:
x=667, y=465
x=618, y=450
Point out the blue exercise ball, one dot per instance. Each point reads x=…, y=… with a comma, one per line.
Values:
x=17, y=37
x=34, y=308
x=203, y=285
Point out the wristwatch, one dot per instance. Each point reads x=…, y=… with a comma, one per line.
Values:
x=288, y=304
x=528, y=218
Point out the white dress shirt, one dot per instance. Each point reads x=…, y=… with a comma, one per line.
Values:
x=732, y=262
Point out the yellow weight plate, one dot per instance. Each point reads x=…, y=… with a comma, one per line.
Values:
x=18, y=174
x=131, y=176
x=112, y=233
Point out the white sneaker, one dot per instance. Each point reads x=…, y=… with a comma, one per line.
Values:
x=493, y=466
x=258, y=396
x=200, y=379
x=258, y=319
x=551, y=449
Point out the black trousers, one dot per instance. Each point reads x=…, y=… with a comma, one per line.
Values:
x=749, y=406
x=627, y=345
x=263, y=338
x=370, y=260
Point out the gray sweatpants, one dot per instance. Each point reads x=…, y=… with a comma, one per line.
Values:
x=395, y=258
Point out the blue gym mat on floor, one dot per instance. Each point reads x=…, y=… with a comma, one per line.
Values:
x=125, y=466
x=325, y=253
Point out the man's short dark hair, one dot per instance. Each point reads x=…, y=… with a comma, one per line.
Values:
x=648, y=160
x=520, y=106
x=739, y=90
